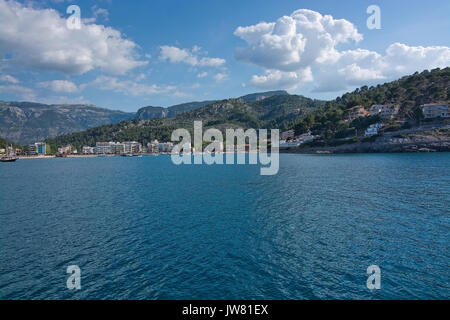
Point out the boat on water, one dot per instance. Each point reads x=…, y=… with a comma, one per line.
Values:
x=131, y=155
x=10, y=155
x=8, y=159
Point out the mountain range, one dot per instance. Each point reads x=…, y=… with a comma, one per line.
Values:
x=274, y=111
x=28, y=122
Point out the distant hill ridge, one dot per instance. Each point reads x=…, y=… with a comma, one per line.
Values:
x=150, y=112
x=254, y=111
x=27, y=122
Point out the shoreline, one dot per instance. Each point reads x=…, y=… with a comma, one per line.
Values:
x=405, y=141
x=307, y=151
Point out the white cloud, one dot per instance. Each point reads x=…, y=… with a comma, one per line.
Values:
x=59, y=86
x=401, y=59
x=40, y=39
x=129, y=87
x=8, y=78
x=281, y=79
x=202, y=74
x=176, y=55
x=302, y=47
x=220, y=77
x=359, y=67
x=294, y=42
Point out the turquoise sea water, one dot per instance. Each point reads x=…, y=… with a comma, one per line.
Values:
x=143, y=228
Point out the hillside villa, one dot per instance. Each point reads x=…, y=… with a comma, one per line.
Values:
x=373, y=129
x=385, y=111
x=296, y=141
x=290, y=134
x=435, y=110
x=356, y=112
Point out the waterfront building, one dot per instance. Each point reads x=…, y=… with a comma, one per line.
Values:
x=373, y=129
x=385, y=111
x=165, y=147
x=41, y=148
x=88, y=150
x=117, y=147
x=131, y=147
x=152, y=147
x=103, y=148
x=356, y=112
x=435, y=110
x=30, y=150
x=65, y=150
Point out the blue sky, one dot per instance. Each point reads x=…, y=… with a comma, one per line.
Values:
x=130, y=54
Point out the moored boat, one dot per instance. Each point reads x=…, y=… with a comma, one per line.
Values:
x=8, y=159
x=10, y=156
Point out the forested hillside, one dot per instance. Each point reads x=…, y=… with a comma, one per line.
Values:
x=271, y=112
x=409, y=92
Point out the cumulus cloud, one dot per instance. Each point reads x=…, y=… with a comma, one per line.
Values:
x=8, y=78
x=282, y=79
x=401, y=58
x=296, y=41
x=177, y=55
x=362, y=67
x=303, y=47
x=59, y=86
x=220, y=77
x=129, y=87
x=40, y=39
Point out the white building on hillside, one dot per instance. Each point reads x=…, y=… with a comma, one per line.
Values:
x=435, y=110
x=385, y=111
x=373, y=129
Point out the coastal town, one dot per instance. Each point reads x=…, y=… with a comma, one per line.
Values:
x=288, y=139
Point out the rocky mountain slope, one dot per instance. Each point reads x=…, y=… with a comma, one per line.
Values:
x=148, y=113
x=25, y=122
